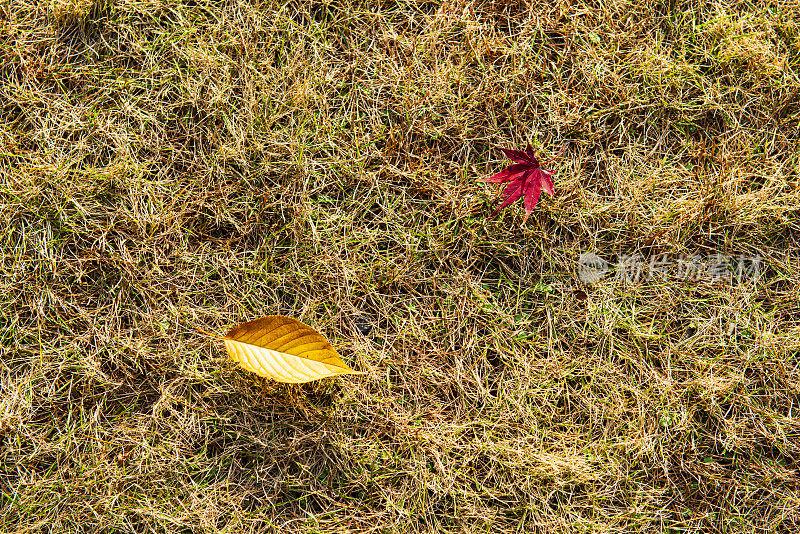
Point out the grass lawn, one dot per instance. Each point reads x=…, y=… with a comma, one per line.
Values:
x=626, y=360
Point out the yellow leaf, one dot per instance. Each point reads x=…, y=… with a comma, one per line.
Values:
x=284, y=349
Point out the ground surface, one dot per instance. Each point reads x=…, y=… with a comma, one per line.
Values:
x=168, y=166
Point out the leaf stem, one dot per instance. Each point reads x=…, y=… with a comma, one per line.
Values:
x=209, y=334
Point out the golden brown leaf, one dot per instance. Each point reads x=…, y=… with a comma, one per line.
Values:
x=284, y=349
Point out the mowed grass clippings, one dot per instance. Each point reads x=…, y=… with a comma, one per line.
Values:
x=168, y=166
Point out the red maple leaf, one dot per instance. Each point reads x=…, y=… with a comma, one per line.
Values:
x=527, y=178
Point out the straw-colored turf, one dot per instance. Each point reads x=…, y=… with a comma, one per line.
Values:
x=168, y=166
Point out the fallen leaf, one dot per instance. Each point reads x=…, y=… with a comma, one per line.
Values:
x=284, y=349
x=527, y=179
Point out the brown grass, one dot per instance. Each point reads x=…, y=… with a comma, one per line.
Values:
x=167, y=166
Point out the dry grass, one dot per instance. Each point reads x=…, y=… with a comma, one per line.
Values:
x=172, y=165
